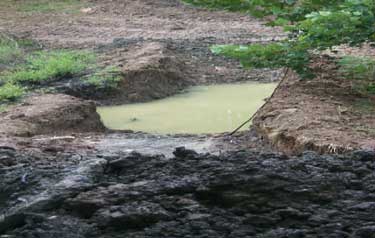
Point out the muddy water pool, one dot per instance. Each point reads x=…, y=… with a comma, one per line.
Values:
x=201, y=109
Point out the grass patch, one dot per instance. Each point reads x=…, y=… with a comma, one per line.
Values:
x=24, y=67
x=231, y=5
x=254, y=56
x=45, y=6
x=364, y=105
x=106, y=78
x=9, y=51
x=45, y=66
x=10, y=92
x=361, y=70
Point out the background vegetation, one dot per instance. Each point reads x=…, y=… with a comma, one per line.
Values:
x=313, y=26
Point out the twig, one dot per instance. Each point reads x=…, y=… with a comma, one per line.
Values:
x=268, y=99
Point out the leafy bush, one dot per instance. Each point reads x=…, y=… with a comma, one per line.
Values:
x=10, y=92
x=45, y=66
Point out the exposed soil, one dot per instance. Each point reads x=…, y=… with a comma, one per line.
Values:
x=149, y=71
x=50, y=114
x=119, y=30
x=324, y=114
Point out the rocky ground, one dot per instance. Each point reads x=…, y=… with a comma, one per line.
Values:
x=238, y=194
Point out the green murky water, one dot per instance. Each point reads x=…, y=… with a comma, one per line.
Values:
x=202, y=109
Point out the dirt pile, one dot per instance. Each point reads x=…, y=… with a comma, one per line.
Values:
x=241, y=194
x=50, y=114
x=323, y=114
x=149, y=71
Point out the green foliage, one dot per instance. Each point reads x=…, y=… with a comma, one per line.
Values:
x=27, y=65
x=231, y=5
x=9, y=50
x=10, y=92
x=313, y=26
x=106, y=78
x=352, y=24
x=256, y=55
x=275, y=55
x=359, y=68
x=44, y=66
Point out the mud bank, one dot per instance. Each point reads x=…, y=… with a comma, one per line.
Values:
x=322, y=114
x=54, y=114
x=239, y=194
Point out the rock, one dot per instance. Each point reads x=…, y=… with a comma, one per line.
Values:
x=7, y=157
x=365, y=232
x=183, y=152
x=134, y=215
x=364, y=155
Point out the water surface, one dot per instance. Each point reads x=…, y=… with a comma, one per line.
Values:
x=202, y=109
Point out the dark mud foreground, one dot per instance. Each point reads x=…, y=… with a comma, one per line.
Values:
x=238, y=194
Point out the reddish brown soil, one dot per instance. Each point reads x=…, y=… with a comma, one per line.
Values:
x=52, y=114
x=132, y=19
x=113, y=27
x=323, y=114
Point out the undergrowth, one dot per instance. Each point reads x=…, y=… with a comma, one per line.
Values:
x=10, y=92
x=9, y=50
x=360, y=69
x=106, y=78
x=44, y=66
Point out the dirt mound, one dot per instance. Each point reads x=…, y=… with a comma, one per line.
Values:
x=50, y=114
x=240, y=194
x=323, y=114
x=149, y=71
